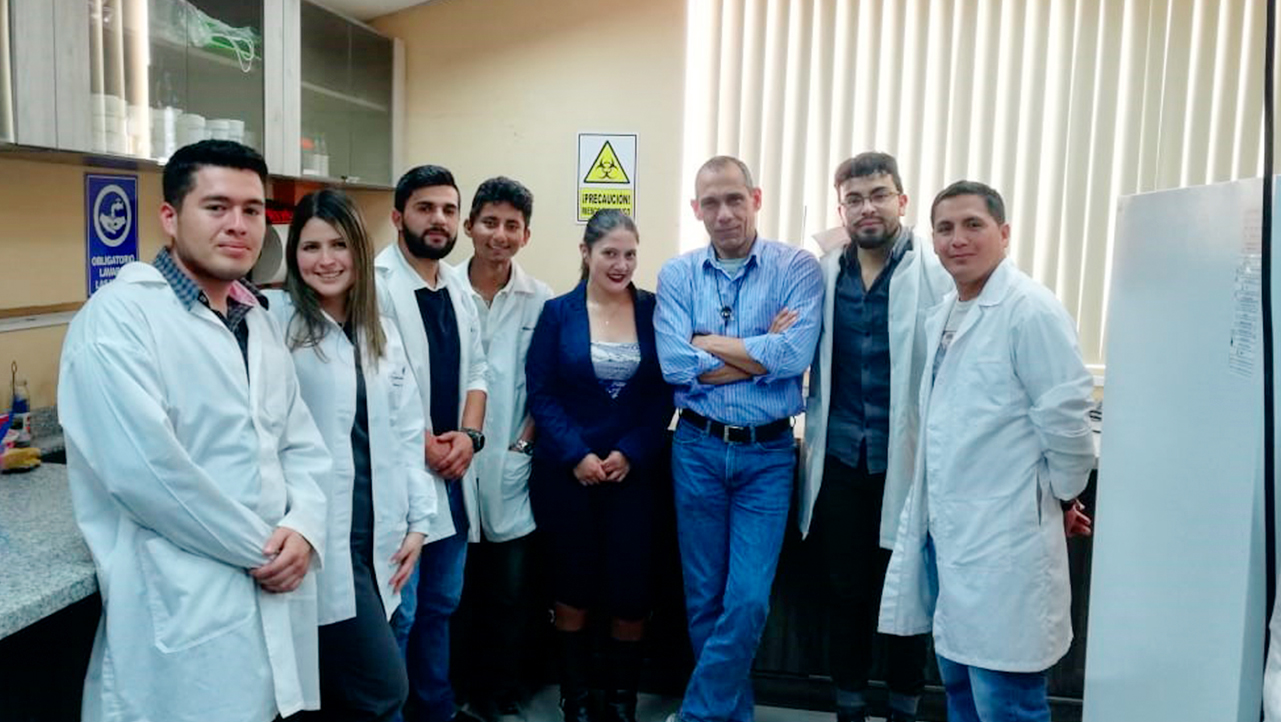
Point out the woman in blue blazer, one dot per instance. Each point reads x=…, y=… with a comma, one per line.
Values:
x=602, y=409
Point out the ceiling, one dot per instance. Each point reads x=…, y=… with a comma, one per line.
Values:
x=366, y=10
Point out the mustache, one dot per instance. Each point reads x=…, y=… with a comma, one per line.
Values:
x=418, y=246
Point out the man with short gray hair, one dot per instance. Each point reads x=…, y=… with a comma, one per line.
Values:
x=736, y=323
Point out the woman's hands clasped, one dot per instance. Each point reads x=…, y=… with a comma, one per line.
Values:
x=592, y=470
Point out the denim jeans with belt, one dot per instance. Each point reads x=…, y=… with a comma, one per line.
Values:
x=421, y=622
x=731, y=510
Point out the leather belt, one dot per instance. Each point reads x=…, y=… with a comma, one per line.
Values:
x=737, y=434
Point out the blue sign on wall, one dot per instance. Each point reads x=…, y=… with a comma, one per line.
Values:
x=111, y=226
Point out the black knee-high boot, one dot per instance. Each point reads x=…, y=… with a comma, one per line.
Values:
x=575, y=654
x=624, y=674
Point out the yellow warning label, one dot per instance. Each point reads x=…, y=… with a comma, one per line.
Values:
x=591, y=200
x=606, y=168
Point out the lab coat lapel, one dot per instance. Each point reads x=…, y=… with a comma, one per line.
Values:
x=401, y=287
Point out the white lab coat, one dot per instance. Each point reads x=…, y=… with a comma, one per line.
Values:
x=1004, y=437
x=918, y=283
x=397, y=282
x=1272, y=669
x=507, y=325
x=404, y=495
x=180, y=470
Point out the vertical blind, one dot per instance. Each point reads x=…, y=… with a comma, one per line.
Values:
x=1061, y=105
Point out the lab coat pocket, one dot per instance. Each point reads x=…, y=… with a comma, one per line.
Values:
x=192, y=598
x=975, y=532
x=515, y=477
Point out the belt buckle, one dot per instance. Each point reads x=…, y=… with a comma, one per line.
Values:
x=727, y=430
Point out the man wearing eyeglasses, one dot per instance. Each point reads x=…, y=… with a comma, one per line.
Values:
x=736, y=323
x=861, y=424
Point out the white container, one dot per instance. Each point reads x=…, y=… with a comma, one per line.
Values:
x=140, y=130
x=236, y=130
x=191, y=129
x=164, y=131
x=115, y=142
x=109, y=105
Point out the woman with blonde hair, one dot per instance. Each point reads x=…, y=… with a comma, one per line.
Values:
x=353, y=376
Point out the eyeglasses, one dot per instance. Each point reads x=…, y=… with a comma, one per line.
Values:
x=878, y=199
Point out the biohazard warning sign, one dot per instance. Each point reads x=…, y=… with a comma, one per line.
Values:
x=606, y=173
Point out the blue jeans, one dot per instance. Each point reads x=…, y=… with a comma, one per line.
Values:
x=731, y=511
x=421, y=622
x=975, y=694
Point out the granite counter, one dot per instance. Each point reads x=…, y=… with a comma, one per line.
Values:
x=44, y=563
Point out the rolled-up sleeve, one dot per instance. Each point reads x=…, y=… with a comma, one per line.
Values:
x=681, y=362
x=790, y=353
x=478, y=369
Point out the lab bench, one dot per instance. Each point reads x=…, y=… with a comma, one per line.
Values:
x=49, y=606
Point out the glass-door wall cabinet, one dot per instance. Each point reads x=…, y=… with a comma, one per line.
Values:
x=165, y=73
x=346, y=99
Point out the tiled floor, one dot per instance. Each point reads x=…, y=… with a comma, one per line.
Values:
x=652, y=708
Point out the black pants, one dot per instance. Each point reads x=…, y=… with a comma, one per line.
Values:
x=494, y=613
x=362, y=675
x=846, y=531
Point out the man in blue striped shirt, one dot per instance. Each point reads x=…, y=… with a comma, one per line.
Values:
x=736, y=324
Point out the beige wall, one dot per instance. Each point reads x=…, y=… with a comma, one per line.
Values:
x=493, y=87
x=42, y=256
x=503, y=87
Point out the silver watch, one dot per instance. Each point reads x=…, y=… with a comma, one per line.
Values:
x=522, y=446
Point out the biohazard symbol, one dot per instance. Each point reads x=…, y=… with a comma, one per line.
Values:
x=606, y=168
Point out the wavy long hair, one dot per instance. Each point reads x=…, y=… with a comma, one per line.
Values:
x=308, y=326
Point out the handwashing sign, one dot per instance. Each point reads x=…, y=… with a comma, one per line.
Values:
x=111, y=226
x=606, y=173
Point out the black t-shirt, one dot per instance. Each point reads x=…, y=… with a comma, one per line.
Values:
x=443, y=353
x=362, y=494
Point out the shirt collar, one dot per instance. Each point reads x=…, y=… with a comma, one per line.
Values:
x=518, y=282
x=753, y=256
x=902, y=244
x=188, y=292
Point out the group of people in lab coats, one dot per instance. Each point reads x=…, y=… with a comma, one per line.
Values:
x=285, y=493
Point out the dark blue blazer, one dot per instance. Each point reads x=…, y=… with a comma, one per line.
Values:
x=574, y=414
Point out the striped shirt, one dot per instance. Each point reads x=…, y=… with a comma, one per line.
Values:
x=697, y=296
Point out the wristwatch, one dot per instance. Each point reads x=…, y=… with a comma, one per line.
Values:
x=522, y=446
x=477, y=438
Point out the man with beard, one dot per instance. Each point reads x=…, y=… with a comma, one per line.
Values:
x=430, y=303
x=861, y=423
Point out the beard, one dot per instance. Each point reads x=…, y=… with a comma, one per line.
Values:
x=417, y=244
x=874, y=238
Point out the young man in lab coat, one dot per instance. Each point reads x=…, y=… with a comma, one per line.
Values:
x=861, y=423
x=194, y=468
x=508, y=301
x=981, y=555
x=430, y=304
